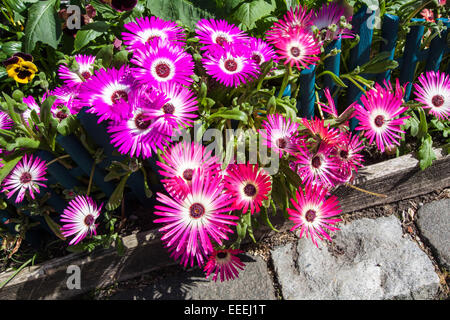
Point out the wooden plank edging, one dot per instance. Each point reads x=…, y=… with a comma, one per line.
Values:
x=398, y=178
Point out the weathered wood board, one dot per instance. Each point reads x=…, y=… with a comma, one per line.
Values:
x=399, y=178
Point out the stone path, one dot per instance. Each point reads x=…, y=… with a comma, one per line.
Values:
x=368, y=259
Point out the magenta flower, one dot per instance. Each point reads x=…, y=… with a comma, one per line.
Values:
x=32, y=105
x=378, y=117
x=66, y=102
x=108, y=93
x=79, y=218
x=84, y=72
x=434, y=93
x=248, y=185
x=191, y=223
x=224, y=262
x=311, y=213
x=328, y=15
x=317, y=168
x=297, y=18
x=261, y=52
x=182, y=162
x=28, y=174
x=5, y=121
x=231, y=65
x=163, y=62
x=348, y=151
x=279, y=133
x=179, y=108
x=300, y=48
x=321, y=132
x=139, y=135
x=146, y=30
x=213, y=33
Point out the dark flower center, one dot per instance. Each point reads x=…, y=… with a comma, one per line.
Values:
x=168, y=108
x=231, y=65
x=281, y=143
x=25, y=177
x=222, y=255
x=437, y=100
x=162, y=70
x=379, y=121
x=86, y=75
x=22, y=72
x=257, y=58
x=316, y=162
x=187, y=174
x=310, y=215
x=150, y=39
x=196, y=210
x=89, y=220
x=61, y=114
x=343, y=154
x=221, y=40
x=295, y=51
x=118, y=96
x=141, y=122
x=250, y=190
x=123, y=5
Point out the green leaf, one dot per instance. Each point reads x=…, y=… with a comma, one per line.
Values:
x=234, y=114
x=23, y=142
x=291, y=177
x=56, y=228
x=67, y=125
x=106, y=54
x=182, y=10
x=84, y=37
x=45, y=113
x=414, y=123
x=335, y=78
x=379, y=63
x=426, y=154
x=248, y=13
x=265, y=218
x=120, y=59
x=116, y=198
x=42, y=25
x=11, y=47
x=423, y=125
x=120, y=246
x=8, y=166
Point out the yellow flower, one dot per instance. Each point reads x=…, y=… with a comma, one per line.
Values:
x=21, y=70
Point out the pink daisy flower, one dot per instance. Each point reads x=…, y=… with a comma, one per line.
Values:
x=328, y=15
x=179, y=109
x=323, y=133
x=248, y=185
x=317, y=168
x=79, y=218
x=231, y=65
x=26, y=175
x=139, y=135
x=279, y=133
x=66, y=102
x=378, y=117
x=5, y=121
x=224, y=262
x=329, y=108
x=163, y=62
x=84, y=72
x=311, y=213
x=107, y=93
x=191, y=223
x=297, y=18
x=300, y=49
x=182, y=162
x=348, y=150
x=146, y=30
x=32, y=105
x=261, y=52
x=213, y=33
x=434, y=93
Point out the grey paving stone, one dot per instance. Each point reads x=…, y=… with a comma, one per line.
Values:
x=254, y=283
x=369, y=260
x=433, y=221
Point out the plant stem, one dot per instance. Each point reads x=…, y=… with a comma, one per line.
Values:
x=90, y=179
x=57, y=159
x=354, y=82
x=366, y=191
x=4, y=283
